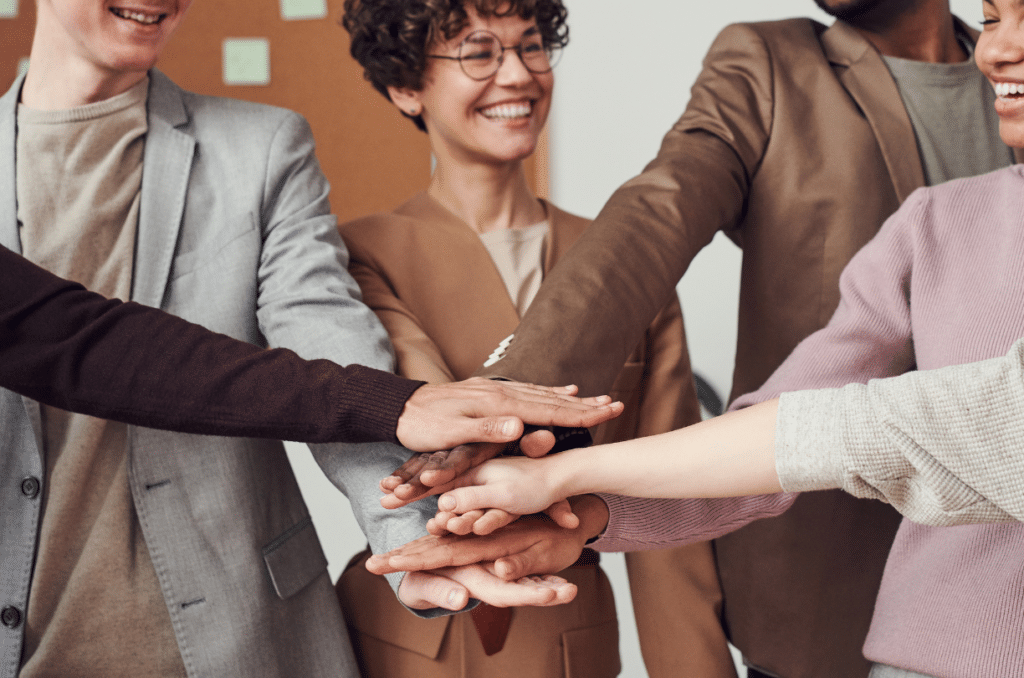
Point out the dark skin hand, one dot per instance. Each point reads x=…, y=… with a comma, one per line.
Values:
x=443, y=416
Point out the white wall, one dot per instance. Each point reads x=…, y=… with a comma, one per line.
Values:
x=622, y=82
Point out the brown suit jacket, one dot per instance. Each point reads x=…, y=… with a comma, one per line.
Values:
x=435, y=288
x=796, y=144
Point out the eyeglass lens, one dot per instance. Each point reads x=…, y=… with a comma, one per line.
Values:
x=481, y=54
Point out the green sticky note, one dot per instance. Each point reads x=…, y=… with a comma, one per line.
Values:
x=9, y=9
x=303, y=9
x=246, y=61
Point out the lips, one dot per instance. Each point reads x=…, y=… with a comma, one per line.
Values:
x=144, y=18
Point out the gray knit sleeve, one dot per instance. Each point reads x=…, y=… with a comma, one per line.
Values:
x=944, y=447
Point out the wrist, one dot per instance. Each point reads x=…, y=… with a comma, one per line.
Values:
x=593, y=514
x=563, y=473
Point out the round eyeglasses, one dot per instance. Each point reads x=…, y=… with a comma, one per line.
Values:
x=481, y=54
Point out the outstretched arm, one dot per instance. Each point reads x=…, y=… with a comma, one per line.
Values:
x=727, y=456
x=65, y=346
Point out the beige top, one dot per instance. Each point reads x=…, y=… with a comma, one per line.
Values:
x=95, y=606
x=518, y=254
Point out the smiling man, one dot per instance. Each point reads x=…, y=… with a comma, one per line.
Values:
x=126, y=551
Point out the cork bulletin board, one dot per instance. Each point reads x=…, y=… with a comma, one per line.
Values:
x=290, y=53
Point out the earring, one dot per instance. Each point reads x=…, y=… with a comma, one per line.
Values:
x=414, y=111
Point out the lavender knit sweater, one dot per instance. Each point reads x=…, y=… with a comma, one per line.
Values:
x=942, y=283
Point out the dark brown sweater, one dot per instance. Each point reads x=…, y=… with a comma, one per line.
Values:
x=70, y=348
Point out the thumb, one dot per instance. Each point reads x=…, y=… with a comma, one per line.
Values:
x=519, y=565
x=462, y=500
x=489, y=430
x=422, y=590
x=561, y=513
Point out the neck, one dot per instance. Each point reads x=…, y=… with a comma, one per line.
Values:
x=920, y=30
x=58, y=81
x=487, y=198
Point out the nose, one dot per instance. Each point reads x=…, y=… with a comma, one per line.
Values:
x=511, y=70
x=1002, y=45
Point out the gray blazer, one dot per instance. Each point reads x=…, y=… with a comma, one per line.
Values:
x=234, y=233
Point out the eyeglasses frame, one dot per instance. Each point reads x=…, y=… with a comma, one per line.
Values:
x=518, y=49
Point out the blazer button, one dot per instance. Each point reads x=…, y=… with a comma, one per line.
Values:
x=30, y=487
x=10, y=616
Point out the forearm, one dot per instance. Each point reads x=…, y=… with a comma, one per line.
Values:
x=941, y=446
x=727, y=456
x=73, y=349
x=623, y=270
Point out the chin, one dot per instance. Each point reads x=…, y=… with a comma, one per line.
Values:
x=1012, y=133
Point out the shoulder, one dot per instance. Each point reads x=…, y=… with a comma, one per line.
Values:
x=372, y=237
x=786, y=35
x=220, y=119
x=982, y=196
x=568, y=220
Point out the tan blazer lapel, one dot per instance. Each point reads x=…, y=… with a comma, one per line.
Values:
x=865, y=76
x=461, y=300
x=563, y=230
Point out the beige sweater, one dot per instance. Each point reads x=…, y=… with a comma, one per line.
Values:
x=945, y=447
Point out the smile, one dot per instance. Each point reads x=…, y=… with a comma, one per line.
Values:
x=139, y=17
x=513, y=111
x=1005, y=90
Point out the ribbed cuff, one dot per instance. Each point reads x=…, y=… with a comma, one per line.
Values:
x=806, y=436
x=372, y=403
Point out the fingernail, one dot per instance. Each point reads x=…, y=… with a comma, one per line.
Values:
x=446, y=503
x=454, y=599
x=508, y=429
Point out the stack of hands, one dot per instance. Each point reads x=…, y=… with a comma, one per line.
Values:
x=503, y=527
x=502, y=521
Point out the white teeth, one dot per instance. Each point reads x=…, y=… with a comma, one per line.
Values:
x=1005, y=89
x=137, y=16
x=508, y=111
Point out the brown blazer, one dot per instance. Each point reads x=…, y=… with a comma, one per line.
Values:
x=435, y=288
x=796, y=144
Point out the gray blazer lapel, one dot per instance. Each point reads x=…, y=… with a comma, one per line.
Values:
x=165, y=176
x=865, y=76
x=9, y=236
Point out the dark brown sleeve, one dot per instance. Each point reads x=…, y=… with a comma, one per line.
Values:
x=70, y=348
x=594, y=306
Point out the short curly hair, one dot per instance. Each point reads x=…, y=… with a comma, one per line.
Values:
x=390, y=37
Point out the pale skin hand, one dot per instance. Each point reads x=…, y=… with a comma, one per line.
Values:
x=485, y=522
x=452, y=587
x=444, y=416
x=731, y=455
x=531, y=545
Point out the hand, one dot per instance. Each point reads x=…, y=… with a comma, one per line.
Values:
x=531, y=545
x=514, y=484
x=443, y=416
x=418, y=477
x=485, y=522
x=451, y=588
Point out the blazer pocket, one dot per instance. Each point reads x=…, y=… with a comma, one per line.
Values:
x=592, y=652
x=202, y=253
x=295, y=558
x=372, y=610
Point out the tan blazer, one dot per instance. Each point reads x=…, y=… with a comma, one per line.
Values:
x=796, y=144
x=437, y=291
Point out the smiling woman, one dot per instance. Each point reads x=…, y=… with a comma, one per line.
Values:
x=450, y=272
